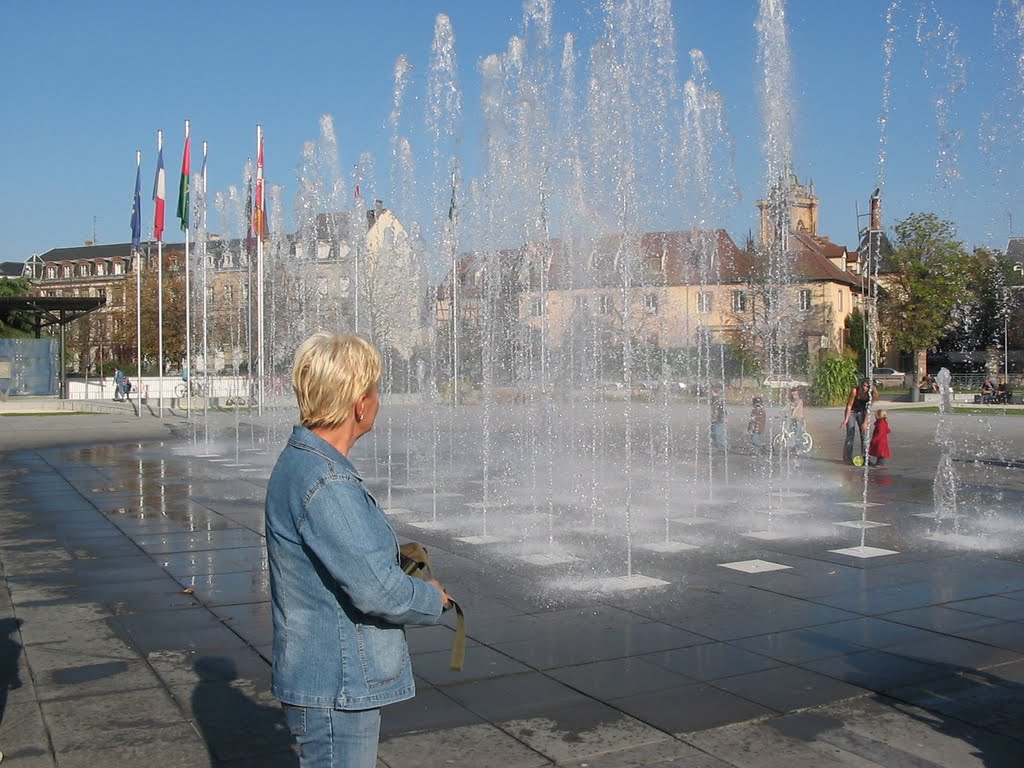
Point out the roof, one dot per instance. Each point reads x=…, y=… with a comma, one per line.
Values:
x=812, y=260
x=686, y=257
x=1015, y=248
x=51, y=310
x=12, y=268
x=105, y=251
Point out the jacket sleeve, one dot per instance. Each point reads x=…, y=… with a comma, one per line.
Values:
x=353, y=541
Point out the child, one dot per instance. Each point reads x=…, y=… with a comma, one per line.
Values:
x=878, y=451
x=719, y=435
x=796, y=418
x=756, y=424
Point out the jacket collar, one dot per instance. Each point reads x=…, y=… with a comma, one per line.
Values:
x=306, y=439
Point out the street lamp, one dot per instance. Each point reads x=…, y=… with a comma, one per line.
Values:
x=1018, y=266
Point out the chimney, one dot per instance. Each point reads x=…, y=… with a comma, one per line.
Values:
x=876, y=211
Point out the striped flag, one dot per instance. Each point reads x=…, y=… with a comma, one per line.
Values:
x=186, y=171
x=259, y=213
x=159, y=194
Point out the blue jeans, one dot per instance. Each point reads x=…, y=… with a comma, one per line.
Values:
x=855, y=423
x=334, y=738
x=719, y=436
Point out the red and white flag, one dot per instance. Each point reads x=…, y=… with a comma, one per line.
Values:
x=159, y=190
x=259, y=214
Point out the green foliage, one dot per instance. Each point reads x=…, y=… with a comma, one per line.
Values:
x=16, y=325
x=834, y=377
x=927, y=274
x=857, y=336
x=979, y=317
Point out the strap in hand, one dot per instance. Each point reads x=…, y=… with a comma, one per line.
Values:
x=415, y=561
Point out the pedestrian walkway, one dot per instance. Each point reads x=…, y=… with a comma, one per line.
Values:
x=135, y=631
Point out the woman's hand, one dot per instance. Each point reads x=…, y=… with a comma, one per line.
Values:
x=444, y=595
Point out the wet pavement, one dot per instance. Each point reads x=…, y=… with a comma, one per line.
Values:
x=135, y=623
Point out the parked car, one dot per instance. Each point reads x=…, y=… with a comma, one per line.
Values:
x=888, y=377
x=781, y=382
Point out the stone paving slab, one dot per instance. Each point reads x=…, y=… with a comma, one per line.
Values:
x=136, y=631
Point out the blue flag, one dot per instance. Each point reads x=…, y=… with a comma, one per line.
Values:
x=137, y=211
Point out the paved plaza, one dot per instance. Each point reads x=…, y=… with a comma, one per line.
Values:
x=136, y=631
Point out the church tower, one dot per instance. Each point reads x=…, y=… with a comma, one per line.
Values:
x=803, y=211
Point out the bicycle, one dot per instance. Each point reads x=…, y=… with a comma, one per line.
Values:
x=787, y=438
x=198, y=389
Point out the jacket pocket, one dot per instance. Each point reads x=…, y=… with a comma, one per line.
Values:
x=382, y=653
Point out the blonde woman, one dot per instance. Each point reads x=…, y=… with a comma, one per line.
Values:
x=338, y=596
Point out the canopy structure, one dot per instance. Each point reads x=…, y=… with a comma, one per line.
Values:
x=50, y=310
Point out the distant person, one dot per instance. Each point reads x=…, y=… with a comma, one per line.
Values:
x=1003, y=393
x=119, y=393
x=878, y=451
x=339, y=599
x=928, y=384
x=795, y=415
x=988, y=391
x=756, y=424
x=855, y=413
x=719, y=434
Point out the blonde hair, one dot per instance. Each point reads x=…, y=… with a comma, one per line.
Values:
x=881, y=414
x=331, y=372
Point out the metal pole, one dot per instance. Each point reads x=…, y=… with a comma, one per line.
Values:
x=160, y=303
x=187, y=167
x=138, y=329
x=259, y=280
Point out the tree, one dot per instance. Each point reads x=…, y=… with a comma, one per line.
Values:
x=991, y=307
x=173, y=312
x=16, y=325
x=925, y=280
x=856, y=335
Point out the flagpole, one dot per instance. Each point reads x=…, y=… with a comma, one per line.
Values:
x=206, y=338
x=136, y=231
x=455, y=300
x=160, y=272
x=260, y=193
x=186, y=169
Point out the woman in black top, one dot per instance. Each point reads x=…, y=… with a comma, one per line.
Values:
x=857, y=404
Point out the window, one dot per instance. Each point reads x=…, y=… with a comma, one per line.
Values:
x=841, y=299
x=805, y=299
x=101, y=268
x=228, y=293
x=651, y=303
x=118, y=267
x=704, y=302
x=536, y=306
x=606, y=305
x=66, y=271
x=739, y=301
x=84, y=270
x=101, y=293
x=579, y=303
x=243, y=292
x=51, y=272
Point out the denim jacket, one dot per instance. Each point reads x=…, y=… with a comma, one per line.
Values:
x=338, y=596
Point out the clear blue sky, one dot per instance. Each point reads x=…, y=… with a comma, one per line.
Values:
x=89, y=83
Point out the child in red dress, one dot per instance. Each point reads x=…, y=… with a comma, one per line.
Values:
x=878, y=450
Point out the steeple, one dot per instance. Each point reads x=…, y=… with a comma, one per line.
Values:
x=803, y=210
